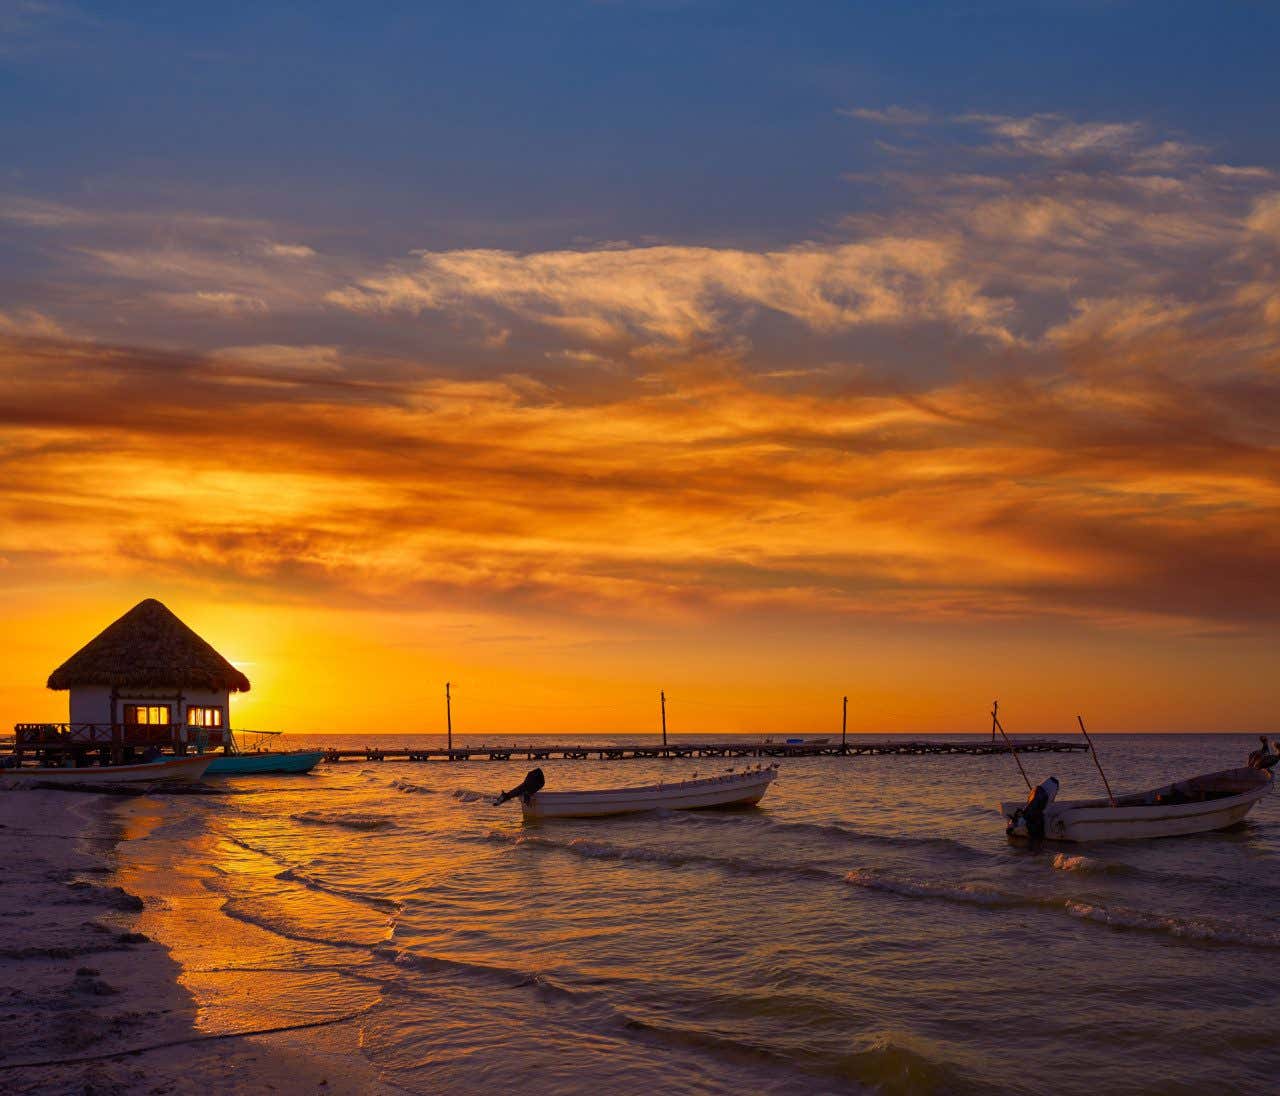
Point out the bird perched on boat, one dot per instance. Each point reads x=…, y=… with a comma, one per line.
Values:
x=1033, y=812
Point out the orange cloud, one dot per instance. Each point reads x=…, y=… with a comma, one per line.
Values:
x=699, y=489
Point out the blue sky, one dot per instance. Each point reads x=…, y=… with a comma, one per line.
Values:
x=523, y=125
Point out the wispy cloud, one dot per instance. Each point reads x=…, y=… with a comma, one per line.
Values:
x=1008, y=230
x=889, y=116
x=680, y=295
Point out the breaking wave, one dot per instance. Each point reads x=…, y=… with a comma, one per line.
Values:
x=606, y=850
x=350, y=820
x=969, y=894
x=410, y=787
x=836, y=832
x=302, y=878
x=1088, y=865
x=1205, y=929
x=490, y=973
x=885, y=1066
x=282, y=927
x=1202, y=929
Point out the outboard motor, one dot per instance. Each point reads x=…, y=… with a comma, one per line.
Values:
x=533, y=782
x=1267, y=757
x=1033, y=812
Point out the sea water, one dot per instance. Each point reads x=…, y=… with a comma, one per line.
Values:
x=867, y=929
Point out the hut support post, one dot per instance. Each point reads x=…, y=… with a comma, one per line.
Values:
x=844, y=725
x=662, y=696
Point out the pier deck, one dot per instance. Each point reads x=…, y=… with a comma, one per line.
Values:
x=580, y=751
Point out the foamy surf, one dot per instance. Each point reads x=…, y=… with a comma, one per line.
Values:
x=1089, y=865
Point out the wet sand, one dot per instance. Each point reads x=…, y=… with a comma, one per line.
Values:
x=91, y=1004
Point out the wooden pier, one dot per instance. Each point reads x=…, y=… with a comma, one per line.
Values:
x=581, y=751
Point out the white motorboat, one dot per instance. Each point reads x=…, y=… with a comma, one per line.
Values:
x=1200, y=804
x=733, y=789
x=181, y=770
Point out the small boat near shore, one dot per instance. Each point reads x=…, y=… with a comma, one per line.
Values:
x=258, y=760
x=1200, y=804
x=733, y=789
x=253, y=764
x=180, y=770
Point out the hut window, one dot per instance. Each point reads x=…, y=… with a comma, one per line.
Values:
x=146, y=714
x=204, y=717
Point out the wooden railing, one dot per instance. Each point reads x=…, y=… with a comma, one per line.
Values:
x=31, y=735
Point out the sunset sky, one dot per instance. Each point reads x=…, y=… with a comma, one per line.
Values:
x=763, y=353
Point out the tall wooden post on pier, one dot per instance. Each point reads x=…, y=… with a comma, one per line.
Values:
x=663, y=697
x=844, y=725
x=448, y=718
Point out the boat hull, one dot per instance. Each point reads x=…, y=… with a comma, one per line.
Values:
x=252, y=764
x=1097, y=820
x=174, y=770
x=736, y=790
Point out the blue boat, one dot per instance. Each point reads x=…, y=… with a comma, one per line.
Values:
x=257, y=760
x=244, y=764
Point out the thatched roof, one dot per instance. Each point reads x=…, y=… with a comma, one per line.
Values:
x=149, y=648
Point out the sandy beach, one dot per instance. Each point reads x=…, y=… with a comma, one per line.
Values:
x=93, y=1005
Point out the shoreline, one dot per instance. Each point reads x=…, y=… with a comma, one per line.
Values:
x=95, y=1005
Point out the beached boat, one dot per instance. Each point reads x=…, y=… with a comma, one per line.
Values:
x=1200, y=804
x=744, y=789
x=253, y=764
x=181, y=770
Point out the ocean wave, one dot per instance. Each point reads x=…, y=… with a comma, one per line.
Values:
x=257, y=849
x=890, y=1066
x=489, y=973
x=1089, y=865
x=302, y=878
x=970, y=894
x=351, y=820
x=1202, y=929
x=606, y=850
x=885, y=1066
x=278, y=926
x=409, y=787
x=470, y=795
x=836, y=832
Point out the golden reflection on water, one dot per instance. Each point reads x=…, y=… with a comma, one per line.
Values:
x=869, y=926
x=241, y=977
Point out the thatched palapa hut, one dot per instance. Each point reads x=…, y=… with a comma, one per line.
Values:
x=152, y=680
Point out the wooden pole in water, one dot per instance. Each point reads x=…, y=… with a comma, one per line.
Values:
x=662, y=696
x=448, y=718
x=995, y=723
x=1094, y=750
x=844, y=724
